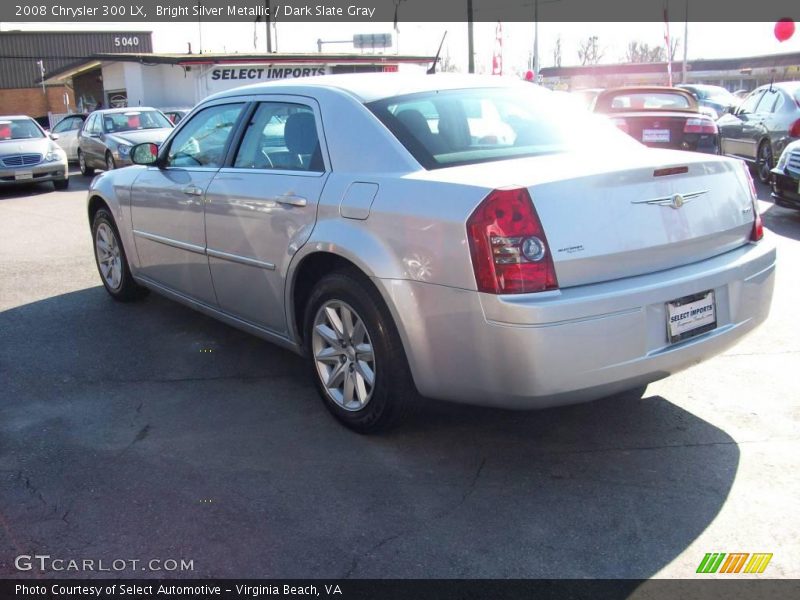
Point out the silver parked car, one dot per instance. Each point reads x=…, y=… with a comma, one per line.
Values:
x=759, y=129
x=28, y=154
x=108, y=135
x=448, y=236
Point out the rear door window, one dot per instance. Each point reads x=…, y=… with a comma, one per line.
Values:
x=281, y=136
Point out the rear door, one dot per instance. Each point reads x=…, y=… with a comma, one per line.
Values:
x=732, y=126
x=757, y=126
x=261, y=207
x=167, y=202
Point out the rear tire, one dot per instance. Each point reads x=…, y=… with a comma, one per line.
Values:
x=764, y=162
x=86, y=170
x=357, y=361
x=112, y=263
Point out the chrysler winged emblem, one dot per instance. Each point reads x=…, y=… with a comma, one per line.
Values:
x=674, y=201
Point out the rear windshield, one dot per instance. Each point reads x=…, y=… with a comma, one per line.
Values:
x=457, y=127
x=649, y=100
x=19, y=129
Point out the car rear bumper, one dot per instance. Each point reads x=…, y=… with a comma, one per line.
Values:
x=46, y=171
x=785, y=188
x=575, y=344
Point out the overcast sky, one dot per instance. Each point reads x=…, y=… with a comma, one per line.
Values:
x=706, y=40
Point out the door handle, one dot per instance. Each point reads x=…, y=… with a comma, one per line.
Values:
x=291, y=200
x=192, y=190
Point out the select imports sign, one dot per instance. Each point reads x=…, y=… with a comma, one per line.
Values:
x=222, y=77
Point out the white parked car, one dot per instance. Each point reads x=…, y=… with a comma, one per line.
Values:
x=554, y=260
x=67, y=130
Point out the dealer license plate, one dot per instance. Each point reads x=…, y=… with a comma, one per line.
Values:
x=22, y=175
x=691, y=315
x=655, y=135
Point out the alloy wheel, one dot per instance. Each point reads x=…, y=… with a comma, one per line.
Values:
x=109, y=257
x=343, y=355
x=764, y=163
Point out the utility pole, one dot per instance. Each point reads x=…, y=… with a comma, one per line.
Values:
x=199, y=26
x=470, y=41
x=685, y=43
x=268, y=22
x=535, y=40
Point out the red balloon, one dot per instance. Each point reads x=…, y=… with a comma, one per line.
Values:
x=528, y=75
x=784, y=29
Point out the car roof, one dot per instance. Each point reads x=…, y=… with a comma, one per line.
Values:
x=368, y=87
x=111, y=111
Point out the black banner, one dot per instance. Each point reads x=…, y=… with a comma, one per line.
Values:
x=389, y=10
x=705, y=588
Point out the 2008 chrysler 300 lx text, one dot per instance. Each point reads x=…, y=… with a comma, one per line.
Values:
x=454, y=237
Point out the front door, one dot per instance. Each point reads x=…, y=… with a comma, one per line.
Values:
x=167, y=203
x=261, y=209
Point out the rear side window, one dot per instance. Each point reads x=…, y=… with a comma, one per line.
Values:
x=456, y=127
x=281, y=136
x=750, y=103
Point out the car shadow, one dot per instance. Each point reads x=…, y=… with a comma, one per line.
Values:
x=149, y=430
x=77, y=183
x=783, y=221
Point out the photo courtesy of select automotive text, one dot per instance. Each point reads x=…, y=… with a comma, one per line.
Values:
x=399, y=299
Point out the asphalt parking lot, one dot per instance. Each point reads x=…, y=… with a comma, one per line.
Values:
x=148, y=431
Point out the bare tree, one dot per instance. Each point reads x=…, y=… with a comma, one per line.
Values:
x=447, y=65
x=640, y=52
x=589, y=52
x=557, y=53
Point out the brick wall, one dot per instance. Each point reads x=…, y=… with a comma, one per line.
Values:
x=34, y=103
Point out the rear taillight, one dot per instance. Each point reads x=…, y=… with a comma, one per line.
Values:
x=620, y=123
x=509, y=250
x=758, y=226
x=794, y=129
x=700, y=125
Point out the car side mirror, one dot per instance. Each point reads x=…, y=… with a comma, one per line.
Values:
x=144, y=154
x=53, y=136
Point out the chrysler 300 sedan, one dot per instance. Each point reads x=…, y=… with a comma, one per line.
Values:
x=445, y=237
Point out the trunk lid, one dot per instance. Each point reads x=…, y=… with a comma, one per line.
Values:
x=609, y=216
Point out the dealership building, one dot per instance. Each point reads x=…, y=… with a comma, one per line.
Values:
x=182, y=80
x=28, y=56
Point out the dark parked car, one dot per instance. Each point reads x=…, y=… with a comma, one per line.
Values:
x=761, y=127
x=660, y=117
x=715, y=99
x=108, y=135
x=786, y=177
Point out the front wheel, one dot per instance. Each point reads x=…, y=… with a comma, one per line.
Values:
x=357, y=359
x=112, y=264
x=110, y=164
x=61, y=184
x=764, y=162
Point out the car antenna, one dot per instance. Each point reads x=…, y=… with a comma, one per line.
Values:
x=432, y=69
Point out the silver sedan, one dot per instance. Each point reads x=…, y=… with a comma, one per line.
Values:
x=447, y=237
x=29, y=155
